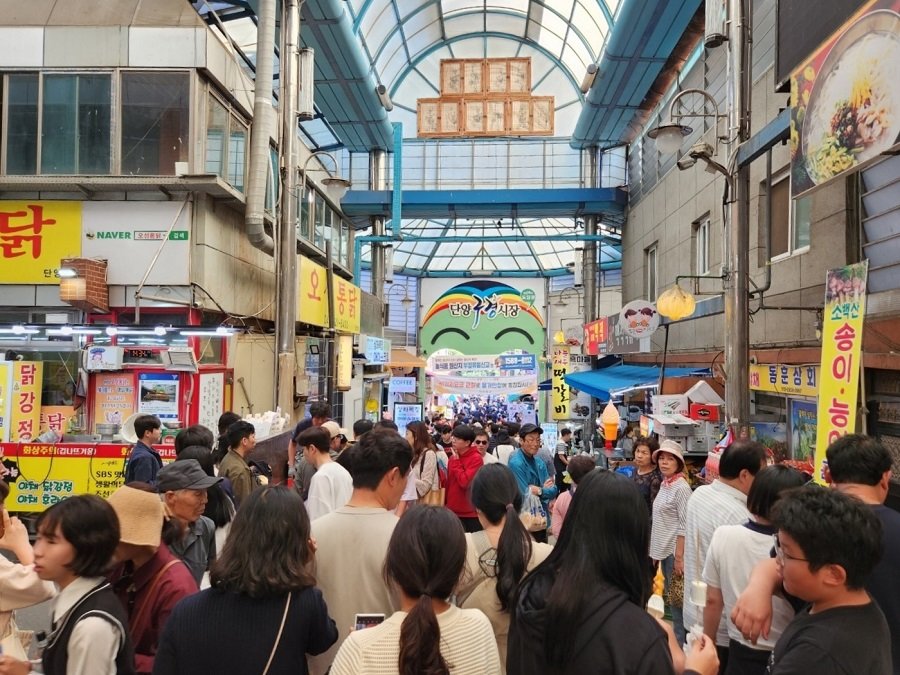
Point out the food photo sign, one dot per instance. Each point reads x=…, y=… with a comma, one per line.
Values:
x=845, y=99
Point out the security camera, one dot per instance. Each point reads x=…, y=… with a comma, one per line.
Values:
x=686, y=162
x=701, y=150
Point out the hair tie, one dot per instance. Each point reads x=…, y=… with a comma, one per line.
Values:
x=510, y=506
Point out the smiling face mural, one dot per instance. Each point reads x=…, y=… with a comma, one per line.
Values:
x=483, y=316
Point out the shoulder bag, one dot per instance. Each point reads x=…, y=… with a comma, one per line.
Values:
x=287, y=606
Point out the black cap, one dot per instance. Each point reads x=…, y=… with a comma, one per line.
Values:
x=529, y=429
x=184, y=474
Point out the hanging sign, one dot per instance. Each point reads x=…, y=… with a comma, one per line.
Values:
x=347, y=303
x=639, y=319
x=559, y=400
x=580, y=403
x=312, y=296
x=845, y=307
x=493, y=386
x=595, y=336
x=461, y=362
x=517, y=362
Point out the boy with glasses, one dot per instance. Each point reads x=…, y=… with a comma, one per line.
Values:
x=826, y=547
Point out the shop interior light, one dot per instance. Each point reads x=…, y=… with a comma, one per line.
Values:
x=65, y=330
x=159, y=330
x=112, y=331
x=86, y=331
x=67, y=273
x=139, y=331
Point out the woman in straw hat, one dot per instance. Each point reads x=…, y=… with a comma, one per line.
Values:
x=149, y=580
x=667, y=531
x=261, y=589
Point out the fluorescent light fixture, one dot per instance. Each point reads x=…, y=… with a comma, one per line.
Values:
x=159, y=330
x=305, y=110
x=588, y=80
x=19, y=329
x=65, y=330
x=67, y=273
x=384, y=97
x=135, y=331
x=112, y=331
x=218, y=332
x=86, y=331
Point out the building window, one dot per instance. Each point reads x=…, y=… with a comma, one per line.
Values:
x=790, y=220
x=155, y=122
x=22, y=93
x=650, y=260
x=701, y=246
x=76, y=117
x=226, y=141
x=321, y=215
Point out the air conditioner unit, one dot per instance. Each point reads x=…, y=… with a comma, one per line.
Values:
x=181, y=359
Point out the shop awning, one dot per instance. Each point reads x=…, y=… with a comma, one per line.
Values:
x=606, y=383
x=400, y=358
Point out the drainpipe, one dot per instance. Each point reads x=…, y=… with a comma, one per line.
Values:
x=261, y=130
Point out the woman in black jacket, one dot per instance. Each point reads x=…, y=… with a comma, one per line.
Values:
x=582, y=609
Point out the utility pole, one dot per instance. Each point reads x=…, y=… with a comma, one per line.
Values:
x=737, y=230
x=286, y=260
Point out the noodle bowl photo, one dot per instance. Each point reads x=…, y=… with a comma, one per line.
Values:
x=852, y=110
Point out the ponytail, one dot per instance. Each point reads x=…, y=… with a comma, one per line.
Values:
x=513, y=554
x=420, y=641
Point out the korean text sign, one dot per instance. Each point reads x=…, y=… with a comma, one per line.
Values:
x=845, y=307
x=40, y=474
x=35, y=236
x=559, y=400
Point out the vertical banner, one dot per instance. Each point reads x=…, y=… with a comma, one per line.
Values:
x=5, y=398
x=845, y=307
x=25, y=420
x=559, y=400
x=595, y=336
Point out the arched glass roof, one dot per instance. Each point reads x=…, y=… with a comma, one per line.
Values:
x=534, y=245
x=405, y=41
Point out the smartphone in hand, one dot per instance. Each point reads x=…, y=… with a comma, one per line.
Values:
x=362, y=621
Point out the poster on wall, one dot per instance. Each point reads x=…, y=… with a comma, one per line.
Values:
x=803, y=430
x=845, y=307
x=845, y=97
x=580, y=402
x=159, y=395
x=482, y=316
x=210, y=399
x=113, y=397
x=407, y=413
x=56, y=418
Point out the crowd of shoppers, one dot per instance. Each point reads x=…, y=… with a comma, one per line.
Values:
x=799, y=577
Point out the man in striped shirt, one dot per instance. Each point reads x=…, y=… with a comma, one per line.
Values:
x=723, y=502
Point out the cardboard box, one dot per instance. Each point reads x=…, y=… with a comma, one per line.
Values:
x=705, y=412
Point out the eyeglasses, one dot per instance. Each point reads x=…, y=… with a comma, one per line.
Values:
x=481, y=442
x=781, y=556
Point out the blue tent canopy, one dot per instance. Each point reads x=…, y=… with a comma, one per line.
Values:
x=606, y=383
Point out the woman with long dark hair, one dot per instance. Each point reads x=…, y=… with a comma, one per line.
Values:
x=261, y=587
x=424, y=463
x=583, y=609
x=500, y=555
x=424, y=562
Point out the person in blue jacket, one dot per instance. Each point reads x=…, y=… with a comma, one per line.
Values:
x=531, y=473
